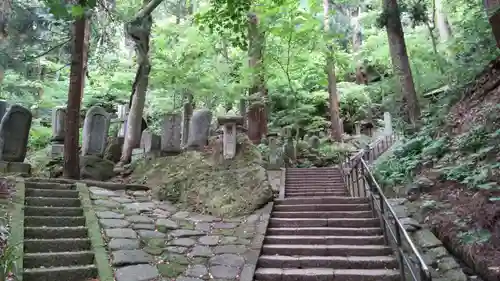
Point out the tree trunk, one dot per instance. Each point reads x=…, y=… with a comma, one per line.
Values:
x=81, y=35
x=333, y=99
x=357, y=39
x=257, y=113
x=442, y=22
x=139, y=31
x=5, y=9
x=400, y=62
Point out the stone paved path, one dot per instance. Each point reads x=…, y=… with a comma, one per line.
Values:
x=152, y=240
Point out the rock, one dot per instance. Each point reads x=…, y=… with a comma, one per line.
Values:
x=106, y=203
x=426, y=239
x=447, y=263
x=120, y=233
x=123, y=244
x=121, y=200
x=224, y=272
x=197, y=270
x=230, y=260
x=139, y=219
x=165, y=224
x=148, y=234
x=97, y=191
x=437, y=253
x=109, y=215
x=201, y=251
x=96, y=168
x=412, y=192
x=171, y=270
x=181, y=215
x=140, y=206
x=176, y=249
x=209, y=240
x=401, y=211
x=203, y=218
x=424, y=183
x=230, y=249
x=224, y=225
x=410, y=224
x=114, y=223
x=184, y=242
x=203, y=226
x=188, y=279
x=141, y=272
x=186, y=233
x=127, y=257
x=144, y=226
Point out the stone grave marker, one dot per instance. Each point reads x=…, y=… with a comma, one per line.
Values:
x=171, y=133
x=14, y=133
x=187, y=112
x=58, y=130
x=229, y=124
x=199, y=128
x=122, y=112
x=387, y=124
x=95, y=131
x=275, y=154
x=3, y=108
x=150, y=142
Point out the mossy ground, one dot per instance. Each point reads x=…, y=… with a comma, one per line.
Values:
x=204, y=182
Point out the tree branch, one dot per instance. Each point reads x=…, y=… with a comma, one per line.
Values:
x=146, y=10
x=49, y=50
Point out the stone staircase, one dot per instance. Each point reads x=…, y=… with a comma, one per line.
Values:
x=56, y=241
x=318, y=232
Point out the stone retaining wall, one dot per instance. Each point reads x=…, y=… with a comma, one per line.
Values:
x=442, y=264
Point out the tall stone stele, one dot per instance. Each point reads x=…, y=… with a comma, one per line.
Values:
x=14, y=133
x=4, y=105
x=387, y=124
x=187, y=113
x=122, y=112
x=229, y=126
x=95, y=131
x=171, y=133
x=58, y=130
x=199, y=129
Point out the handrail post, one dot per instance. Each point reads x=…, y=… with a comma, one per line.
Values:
x=382, y=218
x=357, y=179
x=400, y=251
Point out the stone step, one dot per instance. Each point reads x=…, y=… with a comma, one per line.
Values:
x=323, y=200
x=33, y=260
x=326, y=274
x=308, y=178
x=56, y=245
x=49, y=185
x=53, y=221
x=337, y=262
x=319, y=207
x=311, y=174
x=325, y=250
x=53, y=211
x=32, y=192
x=336, y=231
x=324, y=222
x=317, y=186
x=70, y=273
x=55, y=232
x=315, y=193
x=53, y=201
x=324, y=214
x=324, y=239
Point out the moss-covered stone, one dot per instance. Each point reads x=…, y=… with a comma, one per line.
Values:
x=155, y=251
x=175, y=258
x=171, y=270
x=207, y=183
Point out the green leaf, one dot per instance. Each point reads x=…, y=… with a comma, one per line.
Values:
x=77, y=11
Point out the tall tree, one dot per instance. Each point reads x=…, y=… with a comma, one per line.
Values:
x=79, y=54
x=257, y=113
x=336, y=131
x=357, y=38
x=400, y=61
x=139, y=30
x=442, y=22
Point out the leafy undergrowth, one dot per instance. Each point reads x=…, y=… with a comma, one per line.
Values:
x=206, y=183
x=457, y=149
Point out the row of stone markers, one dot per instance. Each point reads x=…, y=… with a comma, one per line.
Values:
x=186, y=130
x=15, y=128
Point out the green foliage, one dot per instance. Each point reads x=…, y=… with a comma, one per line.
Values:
x=39, y=137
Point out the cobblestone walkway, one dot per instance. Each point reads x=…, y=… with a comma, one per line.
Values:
x=152, y=240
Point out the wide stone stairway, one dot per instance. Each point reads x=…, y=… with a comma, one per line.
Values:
x=56, y=242
x=318, y=232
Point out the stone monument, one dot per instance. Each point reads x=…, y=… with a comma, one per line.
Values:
x=187, y=112
x=171, y=134
x=14, y=133
x=229, y=128
x=95, y=131
x=58, y=130
x=199, y=129
x=387, y=124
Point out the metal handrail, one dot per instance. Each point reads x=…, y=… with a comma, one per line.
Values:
x=356, y=170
